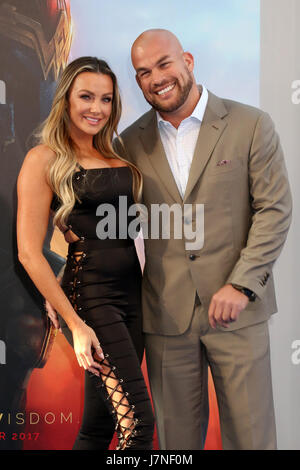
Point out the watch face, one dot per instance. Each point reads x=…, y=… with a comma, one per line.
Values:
x=251, y=296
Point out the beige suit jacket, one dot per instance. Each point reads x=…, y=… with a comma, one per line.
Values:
x=247, y=213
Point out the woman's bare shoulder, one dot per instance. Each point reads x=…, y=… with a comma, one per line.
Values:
x=40, y=155
x=41, y=152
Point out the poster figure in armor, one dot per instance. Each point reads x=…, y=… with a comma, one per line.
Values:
x=35, y=38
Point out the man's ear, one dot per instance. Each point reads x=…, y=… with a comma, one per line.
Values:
x=189, y=60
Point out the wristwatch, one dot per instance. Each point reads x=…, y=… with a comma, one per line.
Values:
x=249, y=293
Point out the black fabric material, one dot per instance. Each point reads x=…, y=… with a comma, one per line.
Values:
x=102, y=279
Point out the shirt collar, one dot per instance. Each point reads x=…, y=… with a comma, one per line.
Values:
x=198, y=112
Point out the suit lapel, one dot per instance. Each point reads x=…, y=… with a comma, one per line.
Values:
x=155, y=151
x=211, y=130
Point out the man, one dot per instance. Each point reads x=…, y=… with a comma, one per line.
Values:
x=210, y=305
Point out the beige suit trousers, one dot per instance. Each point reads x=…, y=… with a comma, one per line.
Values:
x=240, y=365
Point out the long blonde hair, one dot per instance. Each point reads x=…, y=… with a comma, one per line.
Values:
x=55, y=134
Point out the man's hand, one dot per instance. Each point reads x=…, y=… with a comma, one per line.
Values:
x=226, y=306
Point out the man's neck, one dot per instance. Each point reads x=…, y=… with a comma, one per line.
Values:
x=176, y=117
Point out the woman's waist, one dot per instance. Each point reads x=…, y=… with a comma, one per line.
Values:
x=85, y=243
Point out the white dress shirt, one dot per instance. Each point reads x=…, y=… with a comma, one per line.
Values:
x=179, y=144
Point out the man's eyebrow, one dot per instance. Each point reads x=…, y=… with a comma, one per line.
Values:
x=162, y=59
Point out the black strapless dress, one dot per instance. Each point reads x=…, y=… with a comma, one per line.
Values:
x=102, y=280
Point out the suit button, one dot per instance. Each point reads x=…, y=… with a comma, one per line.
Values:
x=192, y=257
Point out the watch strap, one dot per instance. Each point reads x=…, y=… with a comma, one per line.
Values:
x=249, y=293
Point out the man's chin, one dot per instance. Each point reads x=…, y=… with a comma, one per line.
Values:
x=164, y=108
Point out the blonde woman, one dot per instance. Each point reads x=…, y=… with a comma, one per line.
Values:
x=71, y=173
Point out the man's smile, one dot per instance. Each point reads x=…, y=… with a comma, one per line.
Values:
x=165, y=90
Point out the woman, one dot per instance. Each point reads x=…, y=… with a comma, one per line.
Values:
x=72, y=172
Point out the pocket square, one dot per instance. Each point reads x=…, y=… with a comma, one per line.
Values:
x=223, y=162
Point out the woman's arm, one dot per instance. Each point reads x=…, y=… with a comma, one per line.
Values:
x=34, y=199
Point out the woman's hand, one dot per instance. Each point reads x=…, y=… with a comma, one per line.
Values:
x=84, y=340
x=52, y=314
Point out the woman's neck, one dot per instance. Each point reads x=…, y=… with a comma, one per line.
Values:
x=82, y=141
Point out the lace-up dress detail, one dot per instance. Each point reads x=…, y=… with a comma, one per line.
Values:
x=102, y=280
